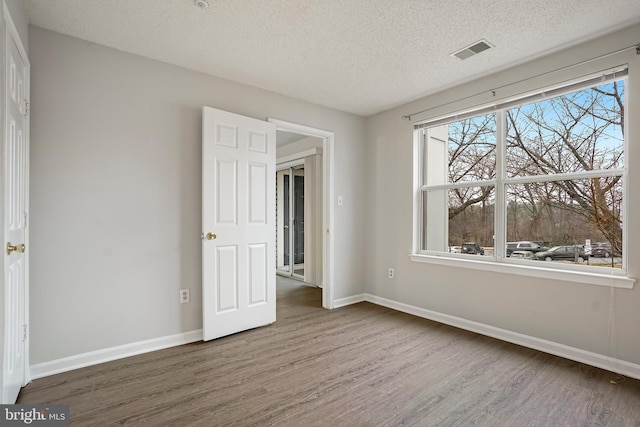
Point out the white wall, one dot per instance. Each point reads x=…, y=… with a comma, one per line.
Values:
x=573, y=314
x=115, y=196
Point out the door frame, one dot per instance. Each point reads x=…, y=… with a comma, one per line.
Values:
x=328, y=243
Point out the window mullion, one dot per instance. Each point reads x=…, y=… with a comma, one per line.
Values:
x=419, y=163
x=463, y=184
x=500, y=227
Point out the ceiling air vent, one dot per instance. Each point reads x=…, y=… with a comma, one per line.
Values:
x=474, y=49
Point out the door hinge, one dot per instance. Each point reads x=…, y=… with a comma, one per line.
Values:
x=26, y=220
x=24, y=329
x=26, y=107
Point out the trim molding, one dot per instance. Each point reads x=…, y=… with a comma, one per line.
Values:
x=293, y=159
x=353, y=299
x=536, y=269
x=628, y=369
x=78, y=361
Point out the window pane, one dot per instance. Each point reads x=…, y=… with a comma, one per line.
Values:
x=461, y=151
x=459, y=220
x=580, y=131
x=563, y=216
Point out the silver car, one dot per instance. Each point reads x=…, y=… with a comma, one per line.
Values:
x=523, y=255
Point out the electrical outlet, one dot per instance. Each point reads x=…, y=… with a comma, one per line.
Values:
x=184, y=296
x=392, y=273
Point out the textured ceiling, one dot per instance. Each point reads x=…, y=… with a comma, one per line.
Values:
x=360, y=56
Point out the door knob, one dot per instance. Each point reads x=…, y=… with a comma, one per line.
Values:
x=15, y=248
x=286, y=227
x=211, y=236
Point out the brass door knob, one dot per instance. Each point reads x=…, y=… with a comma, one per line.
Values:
x=211, y=236
x=15, y=248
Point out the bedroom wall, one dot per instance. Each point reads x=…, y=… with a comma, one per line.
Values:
x=573, y=314
x=116, y=188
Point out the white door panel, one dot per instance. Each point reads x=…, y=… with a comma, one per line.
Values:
x=227, y=190
x=257, y=274
x=238, y=201
x=16, y=152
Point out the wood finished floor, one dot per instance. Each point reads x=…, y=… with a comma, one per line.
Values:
x=361, y=365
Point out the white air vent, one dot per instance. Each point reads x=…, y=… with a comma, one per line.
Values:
x=474, y=49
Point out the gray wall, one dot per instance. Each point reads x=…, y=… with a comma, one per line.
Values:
x=115, y=200
x=115, y=192
x=573, y=314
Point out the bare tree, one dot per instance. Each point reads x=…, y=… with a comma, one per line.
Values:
x=472, y=157
x=582, y=131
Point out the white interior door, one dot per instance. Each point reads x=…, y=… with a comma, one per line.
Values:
x=238, y=220
x=16, y=154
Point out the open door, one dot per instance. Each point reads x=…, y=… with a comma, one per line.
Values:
x=238, y=220
x=16, y=202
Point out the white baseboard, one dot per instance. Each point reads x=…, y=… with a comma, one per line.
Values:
x=628, y=369
x=113, y=353
x=353, y=299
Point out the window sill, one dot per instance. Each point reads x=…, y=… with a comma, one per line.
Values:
x=609, y=280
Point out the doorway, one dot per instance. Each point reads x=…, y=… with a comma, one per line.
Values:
x=318, y=162
x=290, y=220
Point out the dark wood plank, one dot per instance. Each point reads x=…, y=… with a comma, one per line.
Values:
x=361, y=365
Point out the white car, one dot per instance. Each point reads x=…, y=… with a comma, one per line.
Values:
x=523, y=255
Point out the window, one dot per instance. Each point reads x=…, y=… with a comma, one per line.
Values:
x=542, y=177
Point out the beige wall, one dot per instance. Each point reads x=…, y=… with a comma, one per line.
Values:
x=115, y=196
x=573, y=314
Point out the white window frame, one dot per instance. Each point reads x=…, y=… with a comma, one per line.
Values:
x=594, y=275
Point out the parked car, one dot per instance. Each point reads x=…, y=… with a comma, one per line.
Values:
x=524, y=245
x=471, y=248
x=523, y=255
x=603, y=250
x=455, y=249
x=567, y=253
